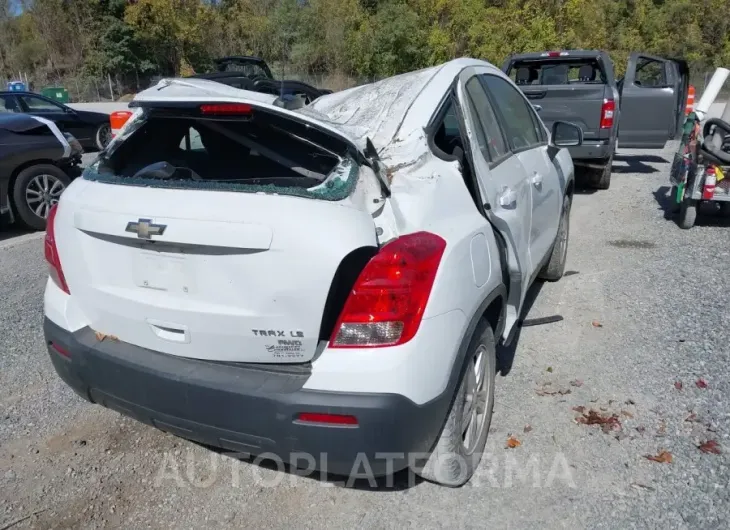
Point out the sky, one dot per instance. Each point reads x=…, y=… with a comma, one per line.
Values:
x=15, y=7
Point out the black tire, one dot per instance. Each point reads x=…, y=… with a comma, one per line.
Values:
x=555, y=267
x=103, y=136
x=451, y=462
x=725, y=209
x=32, y=213
x=602, y=177
x=673, y=206
x=687, y=214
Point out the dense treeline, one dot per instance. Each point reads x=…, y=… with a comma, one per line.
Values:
x=126, y=40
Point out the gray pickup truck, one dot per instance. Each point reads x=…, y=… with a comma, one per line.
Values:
x=644, y=109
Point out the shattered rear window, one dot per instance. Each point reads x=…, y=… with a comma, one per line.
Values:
x=263, y=153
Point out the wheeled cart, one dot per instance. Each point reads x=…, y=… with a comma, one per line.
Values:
x=701, y=167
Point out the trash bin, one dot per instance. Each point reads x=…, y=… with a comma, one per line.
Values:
x=60, y=94
x=16, y=86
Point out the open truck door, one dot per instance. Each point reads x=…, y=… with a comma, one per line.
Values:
x=653, y=95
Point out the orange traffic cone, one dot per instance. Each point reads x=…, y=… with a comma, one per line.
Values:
x=690, y=100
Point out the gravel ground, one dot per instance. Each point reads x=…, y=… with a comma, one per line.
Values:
x=645, y=308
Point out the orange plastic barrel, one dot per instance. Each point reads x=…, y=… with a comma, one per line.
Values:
x=117, y=120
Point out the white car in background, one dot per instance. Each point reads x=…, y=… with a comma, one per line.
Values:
x=328, y=280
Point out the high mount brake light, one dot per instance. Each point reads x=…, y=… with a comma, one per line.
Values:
x=227, y=109
x=51, y=251
x=387, y=302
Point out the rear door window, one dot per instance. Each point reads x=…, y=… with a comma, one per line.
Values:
x=491, y=141
x=9, y=104
x=35, y=104
x=521, y=126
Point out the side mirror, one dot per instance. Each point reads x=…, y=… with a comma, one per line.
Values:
x=566, y=134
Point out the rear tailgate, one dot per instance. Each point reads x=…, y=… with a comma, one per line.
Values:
x=246, y=261
x=579, y=104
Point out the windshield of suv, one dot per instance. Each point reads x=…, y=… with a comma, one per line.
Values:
x=264, y=154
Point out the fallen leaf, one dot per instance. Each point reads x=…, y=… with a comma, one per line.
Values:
x=607, y=423
x=662, y=428
x=545, y=391
x=100, y=336
x=513, y=442
x=640, y=429
x=710, y=446
x=596, y=324
x=527, y=428
x=114, y=338
x=579, y=408
x=678, y=385
x=664, y=457
x=550, y=369
x=642, y=486
x=576, y=382
x=627, y=414
x=630, y=402
x=691, y=417
x=711, y=427
x=701, y=383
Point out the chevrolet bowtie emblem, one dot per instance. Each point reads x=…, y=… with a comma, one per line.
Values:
x=145, y=229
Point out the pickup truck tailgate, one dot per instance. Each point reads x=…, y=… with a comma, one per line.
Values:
x=576, y=103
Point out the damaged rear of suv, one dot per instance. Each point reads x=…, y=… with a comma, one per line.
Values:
x=326, y=284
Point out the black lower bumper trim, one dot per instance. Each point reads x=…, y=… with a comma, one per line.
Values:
x=246, y=409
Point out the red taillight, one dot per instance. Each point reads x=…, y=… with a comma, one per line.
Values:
x=386, y=305
x=54, y=263
x=708, y=188
x=330, y=419
x=228, y=109
x=60, y=349
x=607, y=111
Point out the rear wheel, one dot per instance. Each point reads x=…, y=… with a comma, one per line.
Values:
x=601, y=178
x=687, y=214
x=725, y=209
x=459, y=449
x=673, y=205
x=103, y=135
x=555, y=267
x=36, y=189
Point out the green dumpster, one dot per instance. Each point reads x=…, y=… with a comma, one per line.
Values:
x=60, y=94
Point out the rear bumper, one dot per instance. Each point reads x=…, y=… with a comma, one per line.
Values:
x=247, y=409
x=591, y=150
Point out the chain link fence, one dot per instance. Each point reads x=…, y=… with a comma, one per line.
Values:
x=86, y=89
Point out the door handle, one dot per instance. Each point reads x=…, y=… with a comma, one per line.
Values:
x=508, y=198
x=537, y=180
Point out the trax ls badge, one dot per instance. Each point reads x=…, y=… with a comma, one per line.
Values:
x=145, y=229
